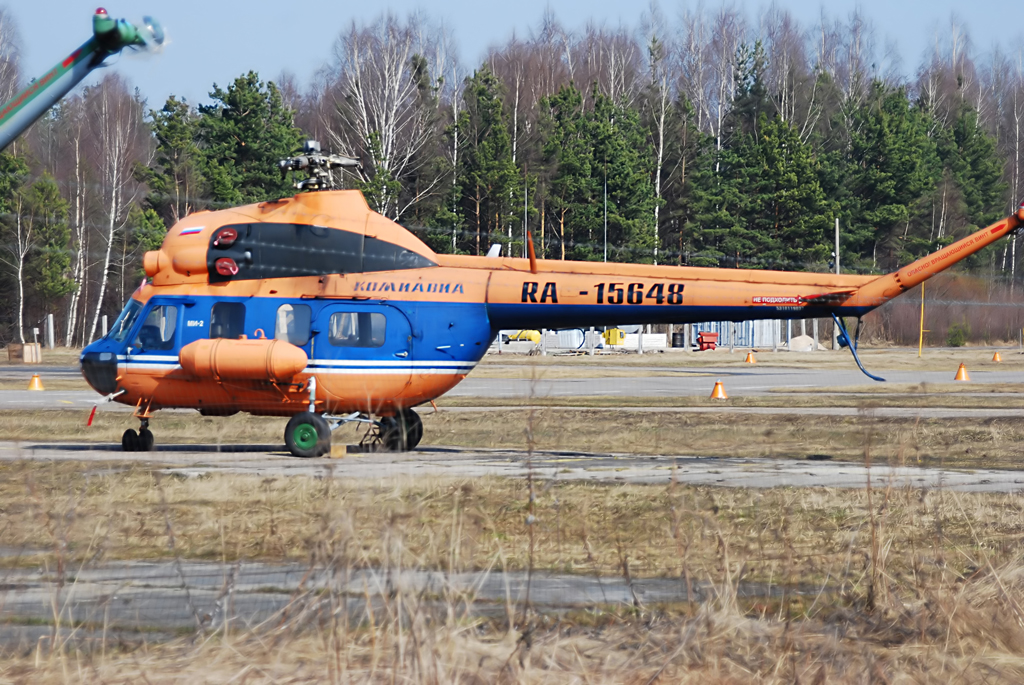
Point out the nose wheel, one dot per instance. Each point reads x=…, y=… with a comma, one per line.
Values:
x=142, y=441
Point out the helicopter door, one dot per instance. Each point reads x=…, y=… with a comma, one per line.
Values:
x=155, y=345
x=362, y=353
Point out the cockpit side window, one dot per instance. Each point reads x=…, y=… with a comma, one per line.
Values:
x=123, y=325
x=357, y=329
x=227, y=320
x=292, y=323
x=157, y=331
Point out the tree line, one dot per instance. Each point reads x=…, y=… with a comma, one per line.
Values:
x=710, y=140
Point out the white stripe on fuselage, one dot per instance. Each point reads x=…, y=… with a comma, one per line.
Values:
x=325, y=366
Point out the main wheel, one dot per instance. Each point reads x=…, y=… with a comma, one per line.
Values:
x=402, y=432
x=146, y=441
x=130, y=440
x=307, y=435
x=413, y=428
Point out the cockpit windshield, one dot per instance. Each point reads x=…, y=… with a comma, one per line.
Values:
x=123, y=325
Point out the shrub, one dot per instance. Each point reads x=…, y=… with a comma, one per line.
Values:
x=958, y=334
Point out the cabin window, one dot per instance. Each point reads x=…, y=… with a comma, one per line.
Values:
x=292, y=323
x=357, y=329
x=227, y=320
x=157, y=332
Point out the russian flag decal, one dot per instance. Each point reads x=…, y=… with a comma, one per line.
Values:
x=192, y=230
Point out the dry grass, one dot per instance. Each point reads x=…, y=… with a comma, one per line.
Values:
x=969, y=442
x=782, y=535
x=917, y=587
x=49, y=383
x=957, y=443
x=59, y=356
x=69, y=425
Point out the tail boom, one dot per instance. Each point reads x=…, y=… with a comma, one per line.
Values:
x=523, y=293
x=884, y=288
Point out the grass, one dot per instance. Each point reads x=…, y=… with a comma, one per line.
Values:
x=59, y=356
x=122, y=511
x=917, y=587
x=968, y=442
x=49, y=383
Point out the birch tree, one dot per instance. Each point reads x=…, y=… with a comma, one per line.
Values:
x=380, y=83
x=657, y=102
x=115, y=116
x=73, y=124
x=10, y=53
x=15, y=232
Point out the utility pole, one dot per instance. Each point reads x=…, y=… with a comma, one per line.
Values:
x=526, y=205
x=606, y=212
x=835, y=328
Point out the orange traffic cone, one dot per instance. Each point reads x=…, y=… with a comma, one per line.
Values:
x=35, y=383
x=719, y=392
x=961, y=374
x=750, y=358
x=997, y=357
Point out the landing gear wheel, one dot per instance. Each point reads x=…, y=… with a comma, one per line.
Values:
x=402, y=432
x=145, y=442
x=307, y=435
x=413, y=428
x=130, y=441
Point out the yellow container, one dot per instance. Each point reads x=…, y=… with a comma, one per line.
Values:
x=614, y=336
x=532, y=336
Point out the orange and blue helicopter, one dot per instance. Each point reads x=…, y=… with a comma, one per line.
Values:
x=318, y=308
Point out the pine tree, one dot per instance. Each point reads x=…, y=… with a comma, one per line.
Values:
x=568, y=155
x=174, y=178
x=245, y=133
x=751, y=99
x=896, y=165
x=49, y=264
x=788, y=207
x=717, y=235
x=977, y=169
x=623, y=155
x=488, y=180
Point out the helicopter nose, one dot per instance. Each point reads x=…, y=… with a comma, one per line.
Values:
x=100, y=370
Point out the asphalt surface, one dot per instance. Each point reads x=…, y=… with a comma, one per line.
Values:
x=686, y=467
x=164, y=599
x=273, y=460
x=753, y=381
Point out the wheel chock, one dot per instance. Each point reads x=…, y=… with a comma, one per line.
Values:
x=961, y=373
x=997, y=357
x=36, y=383
x=338, y=451
x=750, y=358
x=719, y=392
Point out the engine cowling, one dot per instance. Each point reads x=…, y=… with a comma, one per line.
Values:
x=243, y=360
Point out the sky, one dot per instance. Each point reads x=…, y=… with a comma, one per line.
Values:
x=216, y=41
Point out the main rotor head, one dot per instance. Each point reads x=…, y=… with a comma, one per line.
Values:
x=319, y=168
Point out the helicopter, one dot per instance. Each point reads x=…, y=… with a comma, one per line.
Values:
x=317, y=308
